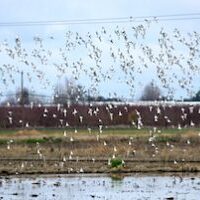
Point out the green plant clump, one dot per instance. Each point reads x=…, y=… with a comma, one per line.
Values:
x=116, y=162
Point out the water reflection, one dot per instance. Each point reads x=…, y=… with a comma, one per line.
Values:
x=87, y=187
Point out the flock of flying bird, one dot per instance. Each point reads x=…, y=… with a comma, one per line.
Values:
x=103, y=56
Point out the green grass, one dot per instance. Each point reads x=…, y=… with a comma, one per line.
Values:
x=126, y=131
x=34, y=140
x=164, y=139
x=175, y=130
x=8, y=131
x=3, y=141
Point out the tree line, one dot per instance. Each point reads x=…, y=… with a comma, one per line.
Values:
x=71, y=92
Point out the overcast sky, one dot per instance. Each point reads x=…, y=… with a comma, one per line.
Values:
x=28, y=10
x=46, y=10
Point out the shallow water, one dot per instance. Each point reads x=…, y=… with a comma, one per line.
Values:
x=134, y=186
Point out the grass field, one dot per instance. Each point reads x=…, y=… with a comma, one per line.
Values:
x=179, y=148
x=160, y=135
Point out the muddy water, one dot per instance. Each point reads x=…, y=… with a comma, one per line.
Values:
x=134, y=186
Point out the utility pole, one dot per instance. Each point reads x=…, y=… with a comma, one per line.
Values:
x=22, y=88
x=88, y=96
x=22, y=98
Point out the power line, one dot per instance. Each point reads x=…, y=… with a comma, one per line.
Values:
x=172, y=17
x=108, y=19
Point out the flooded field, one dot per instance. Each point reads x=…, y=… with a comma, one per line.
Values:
x=134, y=186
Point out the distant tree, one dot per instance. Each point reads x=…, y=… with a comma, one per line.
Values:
x=69, y=92
x=151, y=93
x=98, y=98
x=23, y=97
x=10, y=99
x=196, y=97
x=103, y=99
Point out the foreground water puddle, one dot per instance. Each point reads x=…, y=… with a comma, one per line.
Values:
x=133, y=186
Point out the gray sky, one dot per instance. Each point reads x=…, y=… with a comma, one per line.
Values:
x=37, y=10
x=25, y=10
